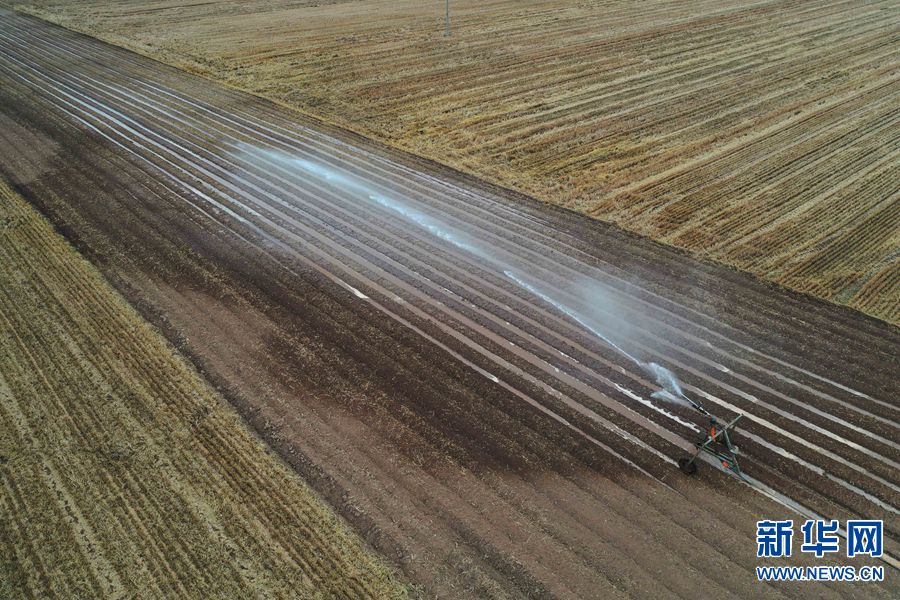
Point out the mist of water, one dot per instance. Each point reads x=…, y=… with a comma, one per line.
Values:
x=671, y=387
x=569, y=313
x=263, y=158
x=433, y=226
x=605, y=322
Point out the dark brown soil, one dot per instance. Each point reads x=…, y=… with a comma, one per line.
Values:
x=470, y=489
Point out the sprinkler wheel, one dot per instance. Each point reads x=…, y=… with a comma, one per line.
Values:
x=687, y=465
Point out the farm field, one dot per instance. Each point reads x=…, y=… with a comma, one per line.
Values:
x=122, y=473
x=763, y=135
x=470, y=378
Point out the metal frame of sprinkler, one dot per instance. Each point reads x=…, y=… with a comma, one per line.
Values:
x=717, y=442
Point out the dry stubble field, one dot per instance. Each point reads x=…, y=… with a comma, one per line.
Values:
x=122, y=473
x=760, y=134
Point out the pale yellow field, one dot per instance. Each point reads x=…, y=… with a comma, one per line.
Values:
x=760, y=134
x=122, y=474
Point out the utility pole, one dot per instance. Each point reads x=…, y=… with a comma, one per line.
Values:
x=447, y=21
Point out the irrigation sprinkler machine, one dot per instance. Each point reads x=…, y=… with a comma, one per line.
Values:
x=717, y=442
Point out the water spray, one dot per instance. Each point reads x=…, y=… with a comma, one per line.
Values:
x=717, y=440
x=671, y=388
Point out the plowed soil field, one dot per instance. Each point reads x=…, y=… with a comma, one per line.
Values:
x=122, y=474
x=763, y=135
x=469, y=377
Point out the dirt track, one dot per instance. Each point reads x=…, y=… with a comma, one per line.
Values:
x=473, y=432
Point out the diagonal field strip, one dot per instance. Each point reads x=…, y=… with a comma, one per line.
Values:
x=258, y=190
